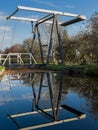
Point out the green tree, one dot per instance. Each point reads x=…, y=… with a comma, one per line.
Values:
x=17, y=48
x=85, y=43
x=27, y=45
x=94, y=33
x=31, y=46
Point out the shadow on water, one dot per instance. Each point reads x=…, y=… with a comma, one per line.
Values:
x=50, y=99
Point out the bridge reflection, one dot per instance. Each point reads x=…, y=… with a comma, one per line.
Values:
x=48, y=92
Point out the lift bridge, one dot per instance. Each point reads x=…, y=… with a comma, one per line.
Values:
x=52, y=18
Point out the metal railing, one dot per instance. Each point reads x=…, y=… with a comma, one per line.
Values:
x=18, y=58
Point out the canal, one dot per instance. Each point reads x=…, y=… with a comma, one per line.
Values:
x=48, y=100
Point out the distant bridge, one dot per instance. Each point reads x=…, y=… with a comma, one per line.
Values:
x=17, y=58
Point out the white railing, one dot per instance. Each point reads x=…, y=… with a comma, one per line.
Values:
x=18, y=58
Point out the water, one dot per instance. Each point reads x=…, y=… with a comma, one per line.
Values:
x=40, y=97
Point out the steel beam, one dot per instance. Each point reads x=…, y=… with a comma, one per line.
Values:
x=23, y=19
x=29, y=113
x=13, y=14
x=47, y=11
x=51, y=42
x=40, y=45
x=51, y=123
x=44, y=19
x=79, y=18
x=27, y=19
x=59, y=40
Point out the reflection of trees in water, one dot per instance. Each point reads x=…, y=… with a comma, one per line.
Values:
x=28, y=77
x=87, y=88
x=46, y=87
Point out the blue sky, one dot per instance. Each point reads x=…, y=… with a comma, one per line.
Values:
x=16, y=32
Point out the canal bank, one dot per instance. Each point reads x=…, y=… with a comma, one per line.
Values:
x=86, y=70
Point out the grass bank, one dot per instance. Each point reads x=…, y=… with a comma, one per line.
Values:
x=2, y=69
x=90, y=70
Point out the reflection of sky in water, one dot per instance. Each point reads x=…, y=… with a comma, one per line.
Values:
x=16, y=96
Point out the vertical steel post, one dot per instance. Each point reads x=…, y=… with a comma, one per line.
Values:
x=59, y=40
x=40, y=45
x=34, y=36
x=51, y=41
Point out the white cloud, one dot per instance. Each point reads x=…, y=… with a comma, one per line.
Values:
x=2, y=16
x=5, y=32
x=70, y=6
x=6, y=37
x=26, y=96
x=5, y=89
x=74, y=29
x=3, y=28
x=5, y=40
x=53, y=4
x=45, y=3
x=48, y=3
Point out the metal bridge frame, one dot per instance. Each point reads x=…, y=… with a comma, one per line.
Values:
x=18, y=57
x=53, y=17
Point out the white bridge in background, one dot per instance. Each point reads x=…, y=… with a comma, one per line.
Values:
x=17, y=58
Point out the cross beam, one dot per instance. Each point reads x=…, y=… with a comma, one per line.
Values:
x=47, y=21
x=46, y=11
x=79, y=18
x=27, y=19
x=23, y=19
